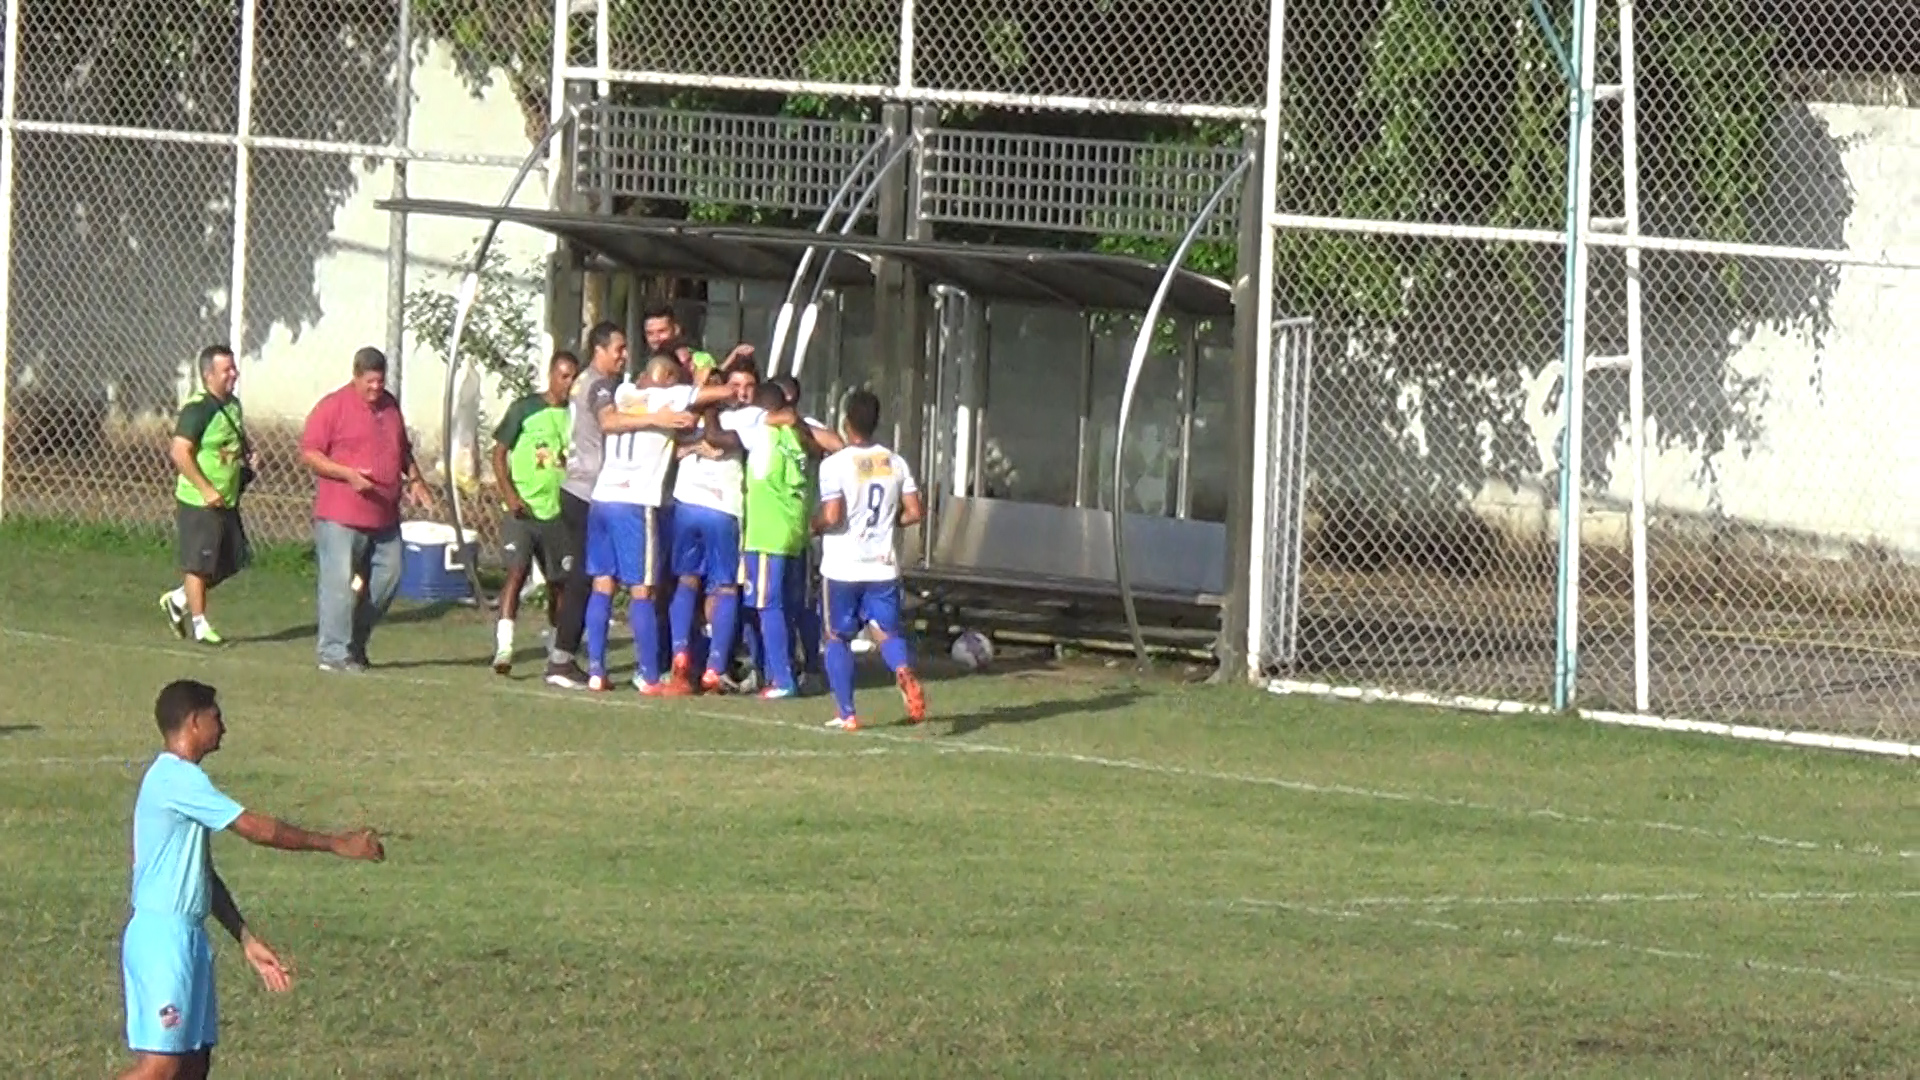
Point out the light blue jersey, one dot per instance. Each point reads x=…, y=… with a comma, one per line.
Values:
x=166, y=960
x=175, y=815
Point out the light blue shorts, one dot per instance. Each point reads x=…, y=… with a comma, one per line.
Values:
x=167, y=963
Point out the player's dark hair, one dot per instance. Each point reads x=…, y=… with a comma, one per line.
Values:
x=602, y=335
x=789, y=386
x=658, y=311
x=211, y=353
x=770, y=397
x=369, y=360
x=743, y=365
x=562, y=356
x=178, y=701
x=861, y=412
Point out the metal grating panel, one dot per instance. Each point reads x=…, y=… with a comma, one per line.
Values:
x=1076, y=185
x=764, y=162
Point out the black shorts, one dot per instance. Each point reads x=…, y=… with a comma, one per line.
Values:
x=212, y=542
x=523, y=540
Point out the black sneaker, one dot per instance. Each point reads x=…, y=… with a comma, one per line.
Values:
x=566, y=675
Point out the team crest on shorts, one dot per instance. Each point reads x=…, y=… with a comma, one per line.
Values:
x=169, y=1017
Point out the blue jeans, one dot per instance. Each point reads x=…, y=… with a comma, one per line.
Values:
x=346, y=618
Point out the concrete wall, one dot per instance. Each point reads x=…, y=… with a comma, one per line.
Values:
x=1836, y=449
x=301, y=360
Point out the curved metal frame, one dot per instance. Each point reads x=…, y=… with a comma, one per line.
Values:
x=783, y=322
x=464, y=298
x=803, y=335
x=1142, y=345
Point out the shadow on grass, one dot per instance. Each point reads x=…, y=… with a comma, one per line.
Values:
x=396, y=616
x=1041, y=710
x=18, y=729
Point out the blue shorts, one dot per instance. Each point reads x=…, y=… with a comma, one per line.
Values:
x=851, y=605
x=167, y=964
x=774, y=582
x=706, y=544
x=623, y=543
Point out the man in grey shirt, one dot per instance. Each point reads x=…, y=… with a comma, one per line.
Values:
x=592, y=392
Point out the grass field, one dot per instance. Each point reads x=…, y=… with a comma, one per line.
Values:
x=1070, y=872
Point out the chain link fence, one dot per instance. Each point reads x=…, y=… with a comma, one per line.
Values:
x=1782, y=582
x=1422, y=209
x=165, y=200
x=1143, y=56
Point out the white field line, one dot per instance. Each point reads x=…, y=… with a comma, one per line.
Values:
x=1358, y=905
x=1577, y=941
x=1303, y=787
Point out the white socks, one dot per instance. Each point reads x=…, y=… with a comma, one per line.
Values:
x=199, y=627
x=503, y=635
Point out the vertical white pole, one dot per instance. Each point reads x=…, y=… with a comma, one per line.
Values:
x=904, y=85
x=1574, y=369
x=1263, y=358
x=602, y=49
x=9, y=90
x=242, y=180
x=1636, y=365
x=397, y=223
x=556, y=160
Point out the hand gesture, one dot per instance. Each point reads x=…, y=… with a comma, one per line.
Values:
x=516, y=506
x=419, y=493
x=358, y=480
x=679, y=420
x=742, y=351
x=363, y=844
x=212, y=497
x=277, y=976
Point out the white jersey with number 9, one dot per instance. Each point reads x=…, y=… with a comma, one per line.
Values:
x=871, y=481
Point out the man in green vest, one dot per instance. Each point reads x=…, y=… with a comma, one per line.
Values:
x=530, y=464
x=211, y=454
x=779, y=504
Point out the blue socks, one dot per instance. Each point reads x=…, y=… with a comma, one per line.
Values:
x=686, y=602
x=726, y=618
x=895, y=652
x=840, y=674
x=777, y=655
x=599, y=615
x=645, y=624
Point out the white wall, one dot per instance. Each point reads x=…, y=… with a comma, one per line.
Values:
x=1838, y=455
x=282, y=379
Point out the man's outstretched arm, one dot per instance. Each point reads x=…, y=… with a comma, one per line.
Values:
x=271, y=832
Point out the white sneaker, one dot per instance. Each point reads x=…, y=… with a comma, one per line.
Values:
x=176, y=614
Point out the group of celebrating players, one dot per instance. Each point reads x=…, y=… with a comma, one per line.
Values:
x=699, y=489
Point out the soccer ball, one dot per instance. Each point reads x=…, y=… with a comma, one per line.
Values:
x=972, y=650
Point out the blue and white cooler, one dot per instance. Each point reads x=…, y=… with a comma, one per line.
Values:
x=434, y=560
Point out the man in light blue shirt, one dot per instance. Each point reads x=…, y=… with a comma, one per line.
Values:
x=165, y=956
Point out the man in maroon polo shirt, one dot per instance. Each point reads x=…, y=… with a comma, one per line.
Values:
x=356, y=444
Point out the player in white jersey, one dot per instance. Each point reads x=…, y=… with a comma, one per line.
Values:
x=709, y=502
x=623, y=517
x=866, y=493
